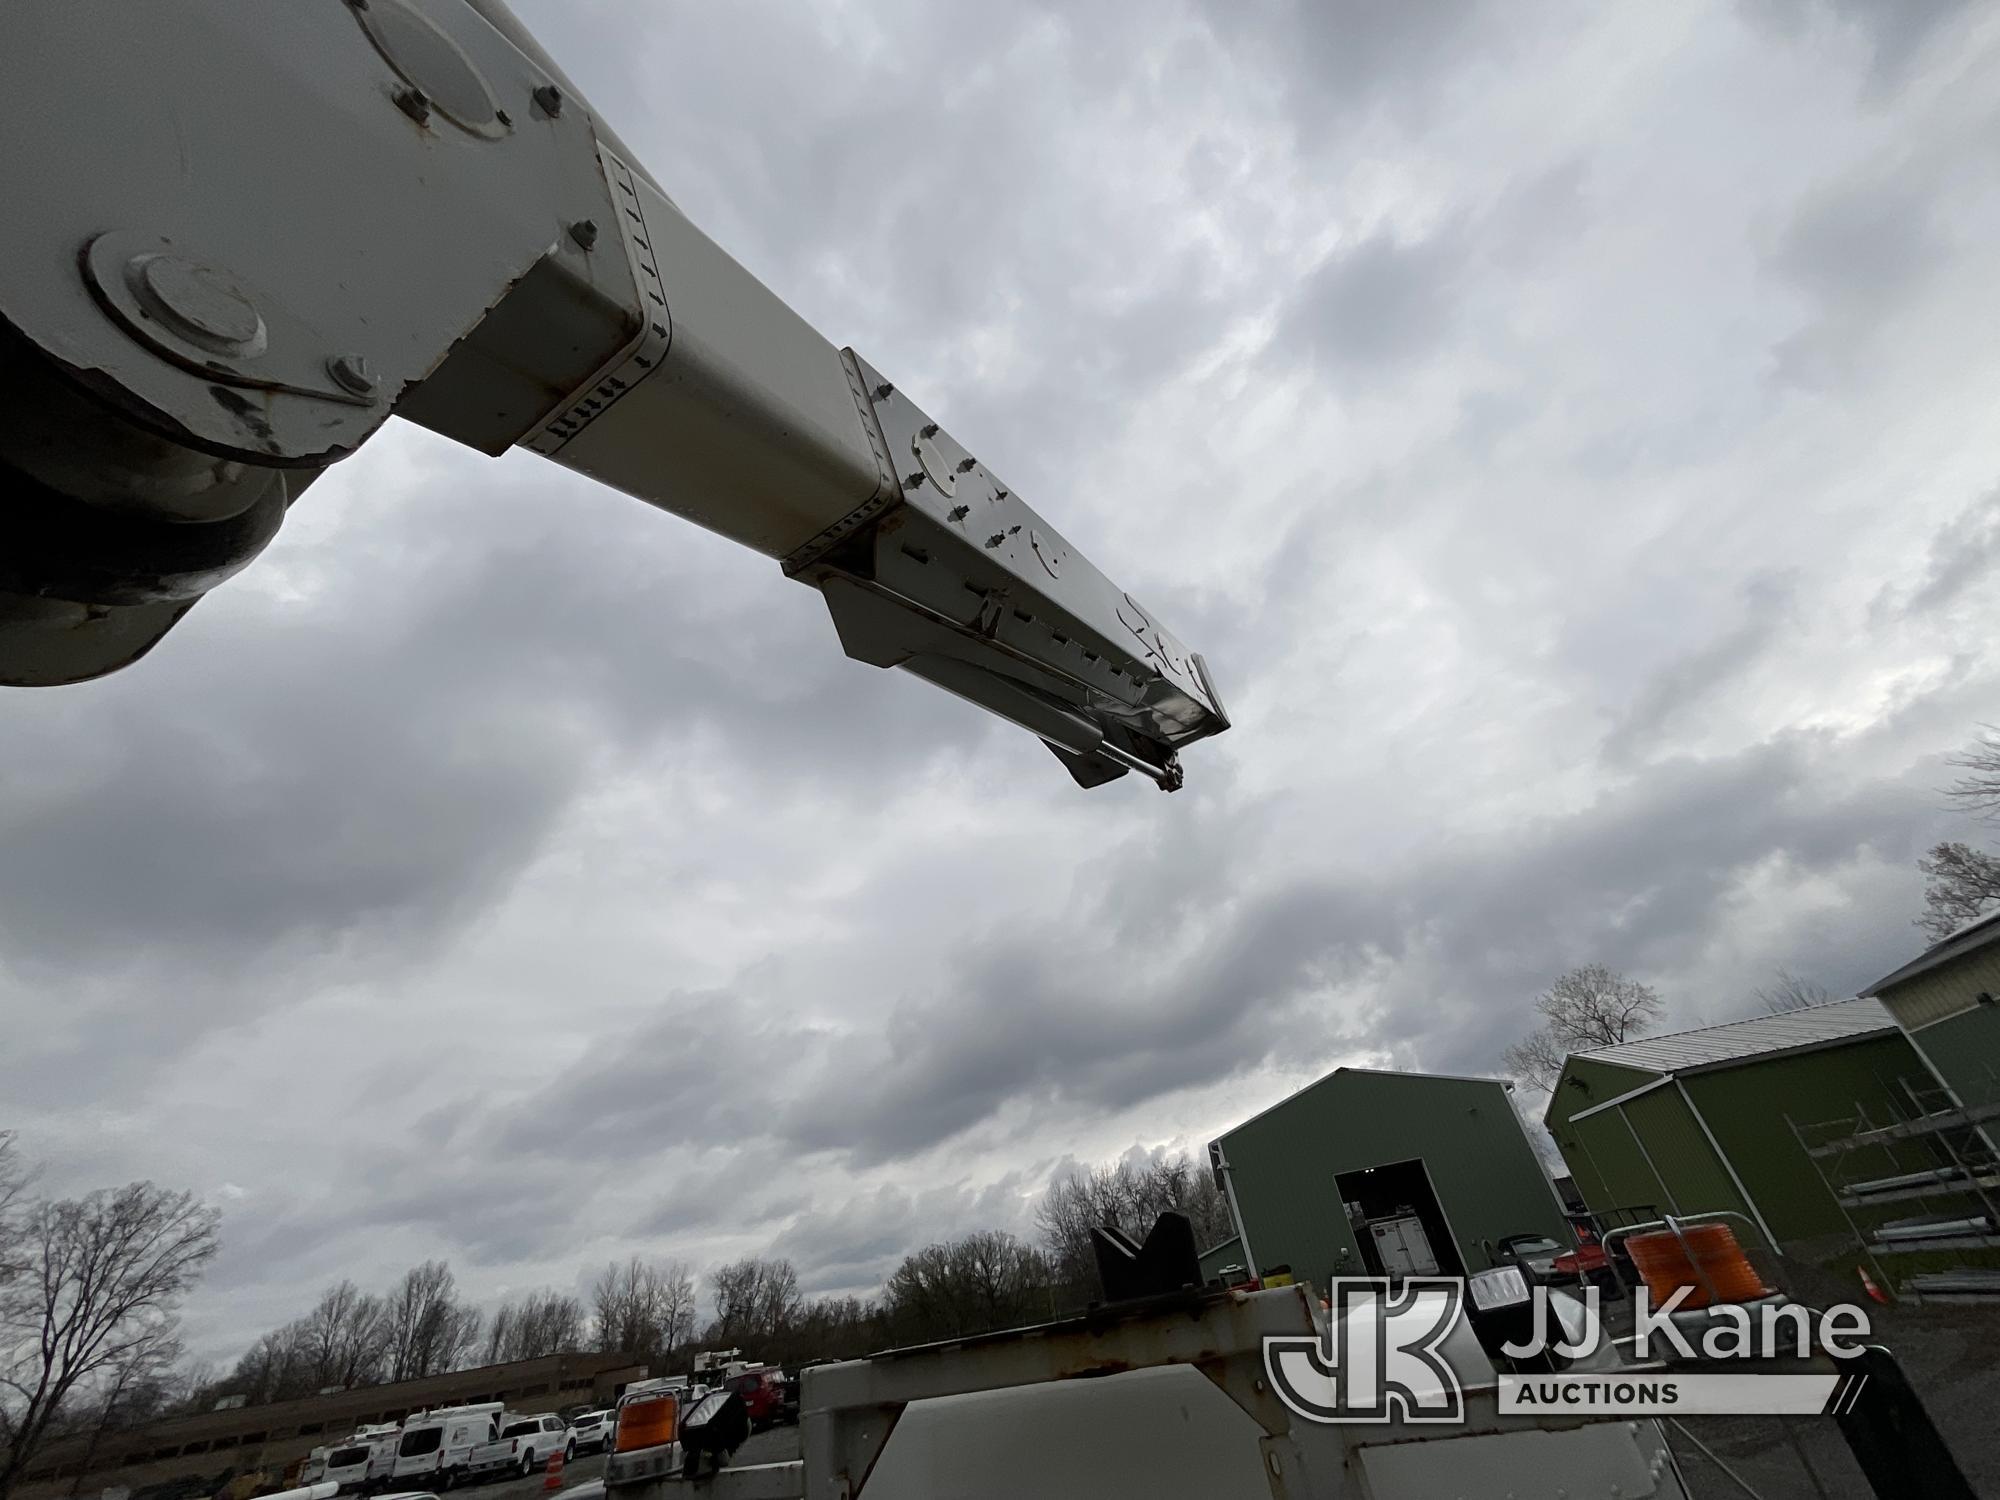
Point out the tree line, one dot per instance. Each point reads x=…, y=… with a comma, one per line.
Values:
x=91, y=1290
x=419, y=1326
x=660, y=1312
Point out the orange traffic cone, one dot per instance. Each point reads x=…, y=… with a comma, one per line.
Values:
x=1868, y=1286
x=552, y=1480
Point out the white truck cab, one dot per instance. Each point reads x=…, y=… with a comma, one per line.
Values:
x=437, y=1445
x=522, y=1444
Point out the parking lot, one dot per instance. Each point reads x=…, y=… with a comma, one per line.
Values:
x=763, y=1448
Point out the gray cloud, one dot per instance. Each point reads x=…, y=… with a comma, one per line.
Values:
x=854, y=1245
x=1860, y=250
x=1962, y=554
x=498, y=839
x=1346, y=56
x=1894, y=31
x=1767, y=604
x=1378, y=305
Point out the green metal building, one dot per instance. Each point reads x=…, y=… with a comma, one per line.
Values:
x=1702, y=1120
x=1316, y=1181
x=1944, y=1001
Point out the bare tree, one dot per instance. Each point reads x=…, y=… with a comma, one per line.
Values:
x=344, y=1337
x=499, y=1334
x=430, y=1330
x=1537, y=1059
x=620, y=1307
x=278, y=1366
x=186, y=1388
x=128, y=1392
x=1960, y=885
x=830, y=1328
x=16, y=1177
x=101, y=1290
x=15, y=1181
x=755, y=1301
x=619, y=1311
x=541, y=1323
x=644, y=1309
x=458, y=1339
x=1790, y=992
x=1590, y=1006
x=677, y=1306
x=984, y=1281
x=1978, y=789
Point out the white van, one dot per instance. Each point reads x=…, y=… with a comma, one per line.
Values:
x=366, y=1460
x=436, y=1444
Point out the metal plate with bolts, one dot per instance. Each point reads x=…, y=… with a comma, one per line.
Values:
x=285, y=186
x=936, y=469
x=429, y=61
x=960, y=552
x=181, y=303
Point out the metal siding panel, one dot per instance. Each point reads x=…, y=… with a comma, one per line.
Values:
x=1596, y=1083
x=1487, y=1177
x=1965, y=1051
x=1746, y=1108
x=1695, y=1174
x=1600, y=1151
x=1969, y=939
x=1945, y=991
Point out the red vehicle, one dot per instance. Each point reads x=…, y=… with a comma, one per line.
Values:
x=763, y=1393
x=1587, y=1262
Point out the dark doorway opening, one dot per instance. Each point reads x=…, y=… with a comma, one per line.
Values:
x=1390, y=1195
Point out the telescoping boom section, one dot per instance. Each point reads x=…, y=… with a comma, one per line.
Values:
x=240, y=238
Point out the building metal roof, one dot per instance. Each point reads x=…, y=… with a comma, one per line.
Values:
x=1970, y=938
x=1733, y=1041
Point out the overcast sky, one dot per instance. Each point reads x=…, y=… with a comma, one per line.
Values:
x=1567, y=430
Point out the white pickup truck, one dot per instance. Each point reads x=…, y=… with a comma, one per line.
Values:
x=524, y=1445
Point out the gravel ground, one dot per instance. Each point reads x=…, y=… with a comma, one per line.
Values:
x=1952, y=1356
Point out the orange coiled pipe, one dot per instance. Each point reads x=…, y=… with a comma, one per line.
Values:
x=1711, y=1252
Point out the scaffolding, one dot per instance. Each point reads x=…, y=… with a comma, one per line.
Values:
x=1933, y=1168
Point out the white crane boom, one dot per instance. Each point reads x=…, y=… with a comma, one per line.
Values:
x=239, y=238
